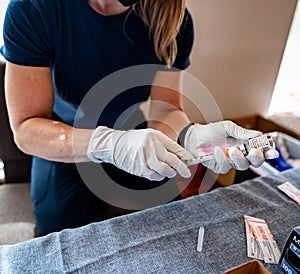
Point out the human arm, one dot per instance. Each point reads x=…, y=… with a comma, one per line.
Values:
x=29, y=93
x=30, y=97
x=166, y=111
x=166, y=114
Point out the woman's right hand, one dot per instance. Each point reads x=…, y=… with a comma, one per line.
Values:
x=145, y=152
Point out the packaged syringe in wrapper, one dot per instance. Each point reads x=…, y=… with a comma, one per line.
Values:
x=290, y=257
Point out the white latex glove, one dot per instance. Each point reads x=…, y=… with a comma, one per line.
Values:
x=214, y=135
x=146, y=152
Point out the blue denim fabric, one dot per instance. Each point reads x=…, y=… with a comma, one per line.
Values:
x=164, y=239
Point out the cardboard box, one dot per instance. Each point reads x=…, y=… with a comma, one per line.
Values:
x=260, y=123
x=252, y=267
x=289, y=261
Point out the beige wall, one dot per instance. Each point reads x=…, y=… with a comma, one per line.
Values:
x=237, y=52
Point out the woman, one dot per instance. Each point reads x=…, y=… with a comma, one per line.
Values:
x=56, y=51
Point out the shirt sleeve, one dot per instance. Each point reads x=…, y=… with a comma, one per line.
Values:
x=25, y=36
x=185, y=41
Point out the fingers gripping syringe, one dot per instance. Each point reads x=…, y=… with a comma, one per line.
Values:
x=264, y=142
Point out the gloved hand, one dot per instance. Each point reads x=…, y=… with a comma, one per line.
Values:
x=146, y=152
x=214, y=135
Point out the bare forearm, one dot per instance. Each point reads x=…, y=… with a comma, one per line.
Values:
x=52, y=140
x=166, y=108
x=170, y=122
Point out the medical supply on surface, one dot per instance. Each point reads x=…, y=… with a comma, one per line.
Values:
x=261, y=244
x=291, y=191
x=290, y=257
x=264, y=142
x=200, y=238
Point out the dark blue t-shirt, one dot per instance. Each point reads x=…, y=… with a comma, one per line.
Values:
x=81, y=47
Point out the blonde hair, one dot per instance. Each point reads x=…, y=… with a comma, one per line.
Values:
x=164, y=18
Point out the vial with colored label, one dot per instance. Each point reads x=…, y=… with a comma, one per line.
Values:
x=264, y=142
